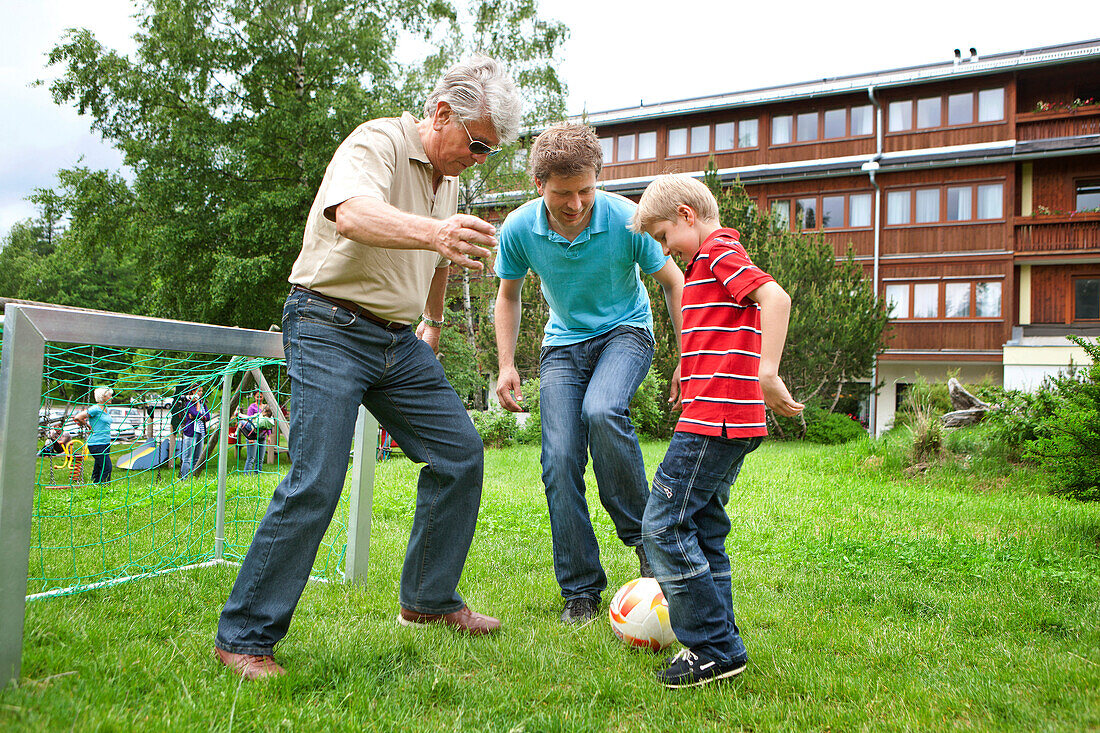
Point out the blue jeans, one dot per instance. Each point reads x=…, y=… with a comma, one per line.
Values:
x=584, y=392
x=336, y=361
x=254, y=455
x=101, y=468
x=189, y=456
x=685, y=528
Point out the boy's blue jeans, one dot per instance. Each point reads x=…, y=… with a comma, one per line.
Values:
x=254, y=455
x=684, y=531
x=336, y=361
x=584, y=399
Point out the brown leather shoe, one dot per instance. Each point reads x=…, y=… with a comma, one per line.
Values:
x=463, y=619
x=250, y=666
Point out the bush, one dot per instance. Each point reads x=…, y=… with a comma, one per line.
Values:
x=649, y=408
x=830, y=428
x=531, y=432
x=496, y=427
x=1068, y=443
x=923, y=409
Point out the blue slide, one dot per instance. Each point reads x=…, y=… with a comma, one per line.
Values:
x=148, y=455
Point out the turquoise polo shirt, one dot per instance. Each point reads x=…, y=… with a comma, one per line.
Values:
x=100, y=422
x=592, y=283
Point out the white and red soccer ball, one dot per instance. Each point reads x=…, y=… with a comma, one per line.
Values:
x=639, y=615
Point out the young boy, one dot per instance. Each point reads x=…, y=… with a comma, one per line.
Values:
x=735, y=323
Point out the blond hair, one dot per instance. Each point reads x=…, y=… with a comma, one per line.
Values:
x=668, y=192
x=566, y=149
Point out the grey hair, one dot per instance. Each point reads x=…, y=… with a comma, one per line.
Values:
x=479, y=88
x=100, y=394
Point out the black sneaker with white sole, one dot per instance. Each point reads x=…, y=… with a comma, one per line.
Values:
x=688, y=669
x=579, y=610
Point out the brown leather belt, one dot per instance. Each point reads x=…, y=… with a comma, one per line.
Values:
x=354, y=308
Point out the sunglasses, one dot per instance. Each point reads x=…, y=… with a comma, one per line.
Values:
x=476, y=146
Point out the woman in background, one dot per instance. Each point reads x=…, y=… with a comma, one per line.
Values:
x=98, y=421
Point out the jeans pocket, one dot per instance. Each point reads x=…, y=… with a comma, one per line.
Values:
x=317, y=310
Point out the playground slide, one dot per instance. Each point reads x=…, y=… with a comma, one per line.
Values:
x=148, y=455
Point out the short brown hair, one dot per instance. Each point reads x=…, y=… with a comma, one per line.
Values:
x=666, y=193
x=566, y=149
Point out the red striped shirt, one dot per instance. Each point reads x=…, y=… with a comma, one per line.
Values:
x=720, y=361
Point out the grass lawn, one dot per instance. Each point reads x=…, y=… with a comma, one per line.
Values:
x=868, y=601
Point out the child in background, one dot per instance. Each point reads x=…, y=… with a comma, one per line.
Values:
x=735, y=324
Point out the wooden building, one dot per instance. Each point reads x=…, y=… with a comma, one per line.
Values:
x=970, y=190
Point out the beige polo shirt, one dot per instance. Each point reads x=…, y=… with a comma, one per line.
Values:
x=385, y=160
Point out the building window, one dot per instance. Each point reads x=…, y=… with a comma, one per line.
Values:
x=607, y=145
x=991, y=105
x=958, y=203
x=987, y=298
x=825, y=212
x=725, y=136
x=926, y=300
x=625, y=148
x=805, y=213
x=956, y=300
x=859, y=210
x=960, y=108
x=961, y=299
x=1088, y=196
x=747, y=130
x=832, y=212
x=700, y=139
x=781, y=129
x=901, y=116
x=897, y=207
x=647, y=146
x=806, y=127
x=836, y=123
x=897, y=300
x=928, y=112
x=928, y=205
x=862, y=120
x=1086, y=299
x=782, y=212
x=678, y=141
x=990, y=201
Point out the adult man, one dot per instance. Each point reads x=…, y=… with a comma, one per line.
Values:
x=598, y=347
x=374, y=258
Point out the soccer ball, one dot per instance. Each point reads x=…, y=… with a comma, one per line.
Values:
x=639, y=615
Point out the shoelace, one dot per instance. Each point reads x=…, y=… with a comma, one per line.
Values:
x=687, y=655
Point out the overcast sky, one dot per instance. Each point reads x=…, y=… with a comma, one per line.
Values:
x=618, y=54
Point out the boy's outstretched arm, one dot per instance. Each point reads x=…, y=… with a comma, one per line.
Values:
x=775, y=311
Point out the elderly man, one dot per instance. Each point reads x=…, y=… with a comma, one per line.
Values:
x=374, y=260
x=598, y=346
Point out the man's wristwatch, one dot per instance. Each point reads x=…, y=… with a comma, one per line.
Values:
x=433, y=323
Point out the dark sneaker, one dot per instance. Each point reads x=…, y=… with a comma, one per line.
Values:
x=644, y=570
x=579, y=610
x=688, y=669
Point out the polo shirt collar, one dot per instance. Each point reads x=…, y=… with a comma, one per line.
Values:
x=413, y=142
x=599, y=222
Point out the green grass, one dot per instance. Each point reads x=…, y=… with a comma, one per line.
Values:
x=868, y=601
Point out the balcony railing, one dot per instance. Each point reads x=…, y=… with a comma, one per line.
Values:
x=1058, y=233
x=1058, y=123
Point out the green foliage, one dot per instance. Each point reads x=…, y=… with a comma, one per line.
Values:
x=837, y=325
x=87, y=263
x=459, y=359
x=1069, y=442
x=649, y=408
x=829, y=428
x=924, y=421
x=496, y=427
